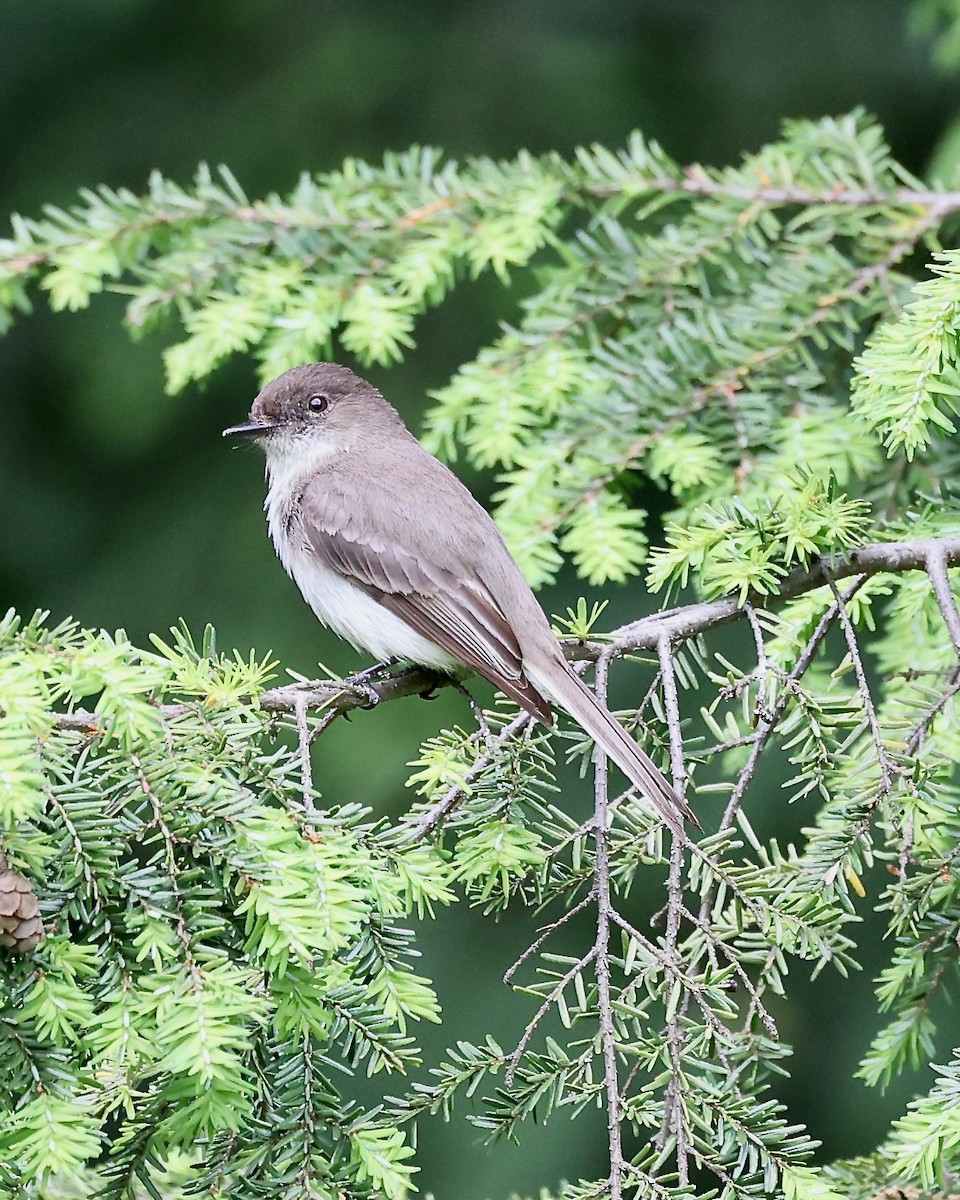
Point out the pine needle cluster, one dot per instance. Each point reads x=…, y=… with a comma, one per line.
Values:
x=224, y=946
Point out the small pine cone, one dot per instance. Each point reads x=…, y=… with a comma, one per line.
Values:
x=20, y=925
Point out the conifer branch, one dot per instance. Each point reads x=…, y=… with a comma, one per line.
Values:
x=687, y=621
x=219, y=945
x=696, y=181
x=677, y=625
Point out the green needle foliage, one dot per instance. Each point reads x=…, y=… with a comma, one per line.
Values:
x=226, y=947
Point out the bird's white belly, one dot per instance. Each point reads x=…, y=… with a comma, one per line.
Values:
x=343, y=606
x=366, y=624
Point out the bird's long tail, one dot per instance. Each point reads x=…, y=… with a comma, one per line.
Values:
x=570, y=693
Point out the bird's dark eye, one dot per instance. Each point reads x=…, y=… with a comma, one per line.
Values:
x=319, y=403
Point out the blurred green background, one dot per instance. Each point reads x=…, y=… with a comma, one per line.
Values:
x=122, y=506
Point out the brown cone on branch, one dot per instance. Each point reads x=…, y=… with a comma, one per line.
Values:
x=21, y=928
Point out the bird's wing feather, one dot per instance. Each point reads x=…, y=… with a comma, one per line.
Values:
x=448, y=604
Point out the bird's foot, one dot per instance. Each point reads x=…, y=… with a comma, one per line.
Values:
x=438, y=679
x=361, y=682
x=371, y=697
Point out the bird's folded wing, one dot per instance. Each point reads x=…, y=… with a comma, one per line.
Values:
x=456, y=612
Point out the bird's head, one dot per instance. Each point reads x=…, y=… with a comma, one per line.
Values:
x=311, y=406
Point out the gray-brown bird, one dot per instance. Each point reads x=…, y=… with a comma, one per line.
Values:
x=393, y=553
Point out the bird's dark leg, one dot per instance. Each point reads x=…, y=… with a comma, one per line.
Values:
x=440, y=680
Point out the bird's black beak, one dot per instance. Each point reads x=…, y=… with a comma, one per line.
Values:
x=248, y=429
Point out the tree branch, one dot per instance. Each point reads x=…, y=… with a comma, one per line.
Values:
x=335, y=697
x=677, y=625
x=688, y=620
x=696, y=182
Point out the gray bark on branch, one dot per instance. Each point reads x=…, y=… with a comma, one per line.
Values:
x=675, y=625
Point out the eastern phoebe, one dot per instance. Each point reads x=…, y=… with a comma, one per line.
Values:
x=392, y=552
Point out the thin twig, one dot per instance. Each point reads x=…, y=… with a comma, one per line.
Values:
x=671, y=967
x=671, y=705
x=324, y=723
x=585, y=828
x=906, y=845
x=937, y=570
x=545, y=934
x=674, y=1115
x=555, y=993
x=769, y=723
x=651, y=1186
x=707, y=752
x=417, y=830
x=887, y=769
x=763, y=665
x=303, y=738
x=483, y=725
x=601, y=954
x=922, y=727
x=704, y=926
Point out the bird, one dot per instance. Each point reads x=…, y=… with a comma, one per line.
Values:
x=393, y=553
